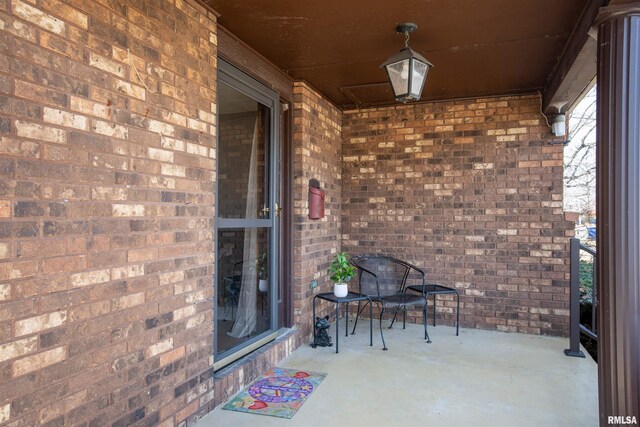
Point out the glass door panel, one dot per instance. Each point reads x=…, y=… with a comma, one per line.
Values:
x=246, y=250
x=243, y=184
x=243, y=277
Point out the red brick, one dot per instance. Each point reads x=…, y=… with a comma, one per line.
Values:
x=37, y=17
x=69, y=263
x=38, y=361
x=40, y=323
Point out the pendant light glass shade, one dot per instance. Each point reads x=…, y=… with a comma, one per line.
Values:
x=407, y=70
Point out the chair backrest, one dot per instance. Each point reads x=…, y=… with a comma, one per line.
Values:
x=237, y=269
x=381, y=275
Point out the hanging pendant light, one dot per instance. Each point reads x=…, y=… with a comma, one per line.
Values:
x=407, y=70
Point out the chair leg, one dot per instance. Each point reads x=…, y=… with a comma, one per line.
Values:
x=394, y=318
x=434, y=310
x=356, y=322
x=404, y=318
x=424, y=319
x=358, y=315
x=384, y=346
x=457, y=314
x=234, y=304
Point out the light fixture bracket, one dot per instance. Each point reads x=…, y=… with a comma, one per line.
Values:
x=407, y=27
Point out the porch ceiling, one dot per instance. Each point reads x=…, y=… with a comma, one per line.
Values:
x=479, y=47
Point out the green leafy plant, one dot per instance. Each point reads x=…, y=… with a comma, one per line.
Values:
x=586, y=281
x=340, y=269
x=262, y=266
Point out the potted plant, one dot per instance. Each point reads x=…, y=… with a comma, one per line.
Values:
x=263, y=283
x=341, y=272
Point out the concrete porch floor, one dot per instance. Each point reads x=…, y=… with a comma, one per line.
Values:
x=480, y=378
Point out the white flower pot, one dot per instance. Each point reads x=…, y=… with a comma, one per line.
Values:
x=340, y=290
x=263, y=285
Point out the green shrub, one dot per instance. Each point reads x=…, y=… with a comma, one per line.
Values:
x=586, y=279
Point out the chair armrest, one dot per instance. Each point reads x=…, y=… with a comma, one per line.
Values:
x=409, y=268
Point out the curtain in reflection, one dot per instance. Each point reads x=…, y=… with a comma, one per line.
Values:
x=246, y=316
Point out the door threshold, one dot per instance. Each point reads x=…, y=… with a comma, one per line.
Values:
x=243, y=351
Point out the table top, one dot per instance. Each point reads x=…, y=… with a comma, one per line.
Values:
x=351, y=296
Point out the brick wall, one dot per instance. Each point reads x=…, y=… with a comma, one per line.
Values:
x=472, y=192
x=317, y=141
x=106, y=210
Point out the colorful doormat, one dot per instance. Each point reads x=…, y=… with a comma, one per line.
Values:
x=279, y=392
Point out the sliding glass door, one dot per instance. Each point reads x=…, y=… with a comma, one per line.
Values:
x=246, y=227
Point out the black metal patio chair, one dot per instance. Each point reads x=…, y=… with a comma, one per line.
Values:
x=231, y=289
x=384, y=280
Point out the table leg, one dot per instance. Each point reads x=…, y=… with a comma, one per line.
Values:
x=313, y=322
x=457, y=313
x=337, y=333
x=426, y=310
x=346, y=324
x=370, y=324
